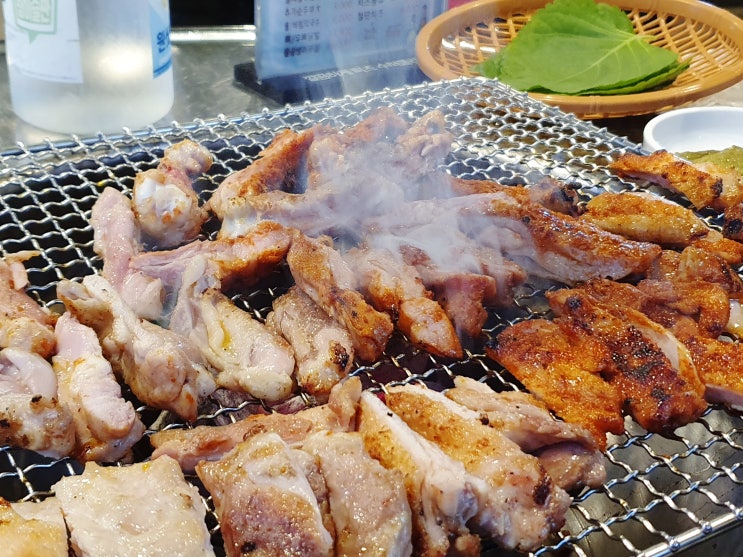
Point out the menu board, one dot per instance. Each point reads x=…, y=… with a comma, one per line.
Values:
x=300, y=36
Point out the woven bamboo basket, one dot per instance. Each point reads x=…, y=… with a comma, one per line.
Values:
x=710, y=38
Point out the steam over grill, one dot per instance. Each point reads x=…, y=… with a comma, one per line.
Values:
x=662, y=493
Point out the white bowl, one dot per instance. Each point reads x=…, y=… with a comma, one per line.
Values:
x=700, y=128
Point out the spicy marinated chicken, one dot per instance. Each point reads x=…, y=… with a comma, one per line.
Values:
x=33, y=529
x=321, y=273
x=147, y=508
x=162, y=368
x=106, y=426
x=397, y=289
x=649, y=366
x=30, y=414
x=651, y=218
x=264, y=501
x=520, y=505
x=116, y=239
x=24, y=323
x=368, y=505
x=190, y=446
x=246, y=355
x=164, y=201
x=323, y=350
x=666, y=170
x=568, y=452
x=562, y=367
x=443, y=496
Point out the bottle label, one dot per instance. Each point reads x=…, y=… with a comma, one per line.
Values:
x=42, y=39
x=160, y=36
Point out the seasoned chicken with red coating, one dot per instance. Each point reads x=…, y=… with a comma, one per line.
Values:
x=562, y=367
x=649, y=366
x=321, y=273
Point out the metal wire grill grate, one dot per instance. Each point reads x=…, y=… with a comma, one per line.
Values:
x=662, y=493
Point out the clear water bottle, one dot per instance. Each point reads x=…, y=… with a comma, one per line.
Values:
x=84, y=66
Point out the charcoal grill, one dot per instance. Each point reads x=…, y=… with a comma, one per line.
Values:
x=663, y=493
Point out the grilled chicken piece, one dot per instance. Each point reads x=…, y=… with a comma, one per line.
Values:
x=666, y=170
x=237, y=261
x=650, y=367
x=164, y=201
x=190, y=446
x=397, y=289
x=719, y=364
x=443, y=497
x=106, y=426
x=540, y=241
x=24, y=323
x=163, y=369
x=264, y=501
x=323, y=350
x=367, y=502
x=651, y=218
x=116, y=239
x=319, y=270
x=562, y=367
x=246, y=354
x=146, y=508
x=277, y=166
x=520, y=506
x=33, y=529
x=30, y=415
x=695, y=264
x=568, y=452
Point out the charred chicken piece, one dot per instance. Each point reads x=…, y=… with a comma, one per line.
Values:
x=28, y=529
x=278, y=166
x=650, y=367
x=397, y=289
x=562, y=368
x=519, y=506
x=323, y=350
x=568, y=452
x=666, y=170
x=321, y=273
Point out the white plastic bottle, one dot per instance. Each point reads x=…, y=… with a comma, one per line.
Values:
x=84, y=66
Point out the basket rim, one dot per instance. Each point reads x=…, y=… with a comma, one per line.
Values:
x=726, y=24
